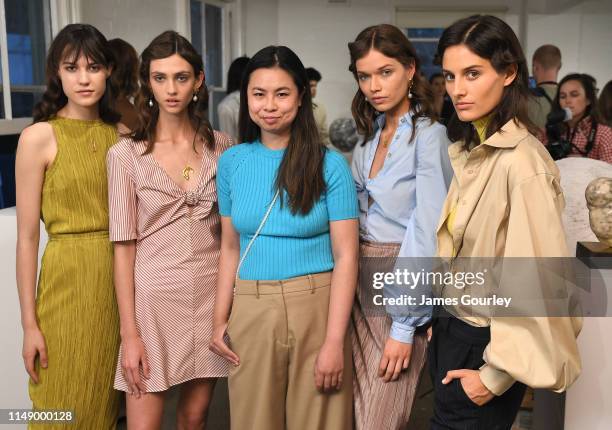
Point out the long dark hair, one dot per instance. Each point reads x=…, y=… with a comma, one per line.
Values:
x=492, y=39
x=300, y=173
x=71, y=42
x=605, y=104
x=391, y=42
x=163, y=46
x=588, y=84
x=235, y=72
x=125, y=74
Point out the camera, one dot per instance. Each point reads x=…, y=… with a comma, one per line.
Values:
x=558, y=147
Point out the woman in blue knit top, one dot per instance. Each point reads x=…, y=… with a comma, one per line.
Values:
x=288, y=265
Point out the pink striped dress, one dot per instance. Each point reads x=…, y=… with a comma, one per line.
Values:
x=177, y=237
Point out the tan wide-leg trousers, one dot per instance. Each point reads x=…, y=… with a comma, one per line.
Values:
x=277, y=329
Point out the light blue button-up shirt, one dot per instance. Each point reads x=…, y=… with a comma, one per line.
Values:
x=408, y=193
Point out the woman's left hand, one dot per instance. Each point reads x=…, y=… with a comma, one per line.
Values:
x=471, y=384
x=329, y=367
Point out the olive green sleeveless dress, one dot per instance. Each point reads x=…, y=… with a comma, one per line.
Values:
x=75, y=301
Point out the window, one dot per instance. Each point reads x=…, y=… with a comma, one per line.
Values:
x=209, y=33
x=424, y=27
x=25, y=34
x=425, y=42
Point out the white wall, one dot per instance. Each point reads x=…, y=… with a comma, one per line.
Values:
x=584, y=35
x=14, y=394
x=260, y=24
x=319, y=33
x=136, y=21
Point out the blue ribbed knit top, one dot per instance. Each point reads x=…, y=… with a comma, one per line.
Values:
x=288, y=245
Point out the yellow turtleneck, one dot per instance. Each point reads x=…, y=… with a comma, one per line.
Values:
x=481, y=127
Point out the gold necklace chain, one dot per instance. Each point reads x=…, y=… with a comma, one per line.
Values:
x=188, y=170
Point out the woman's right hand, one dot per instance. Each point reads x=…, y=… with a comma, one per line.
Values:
x=218, y=346
x=34, y=345
x=134, y=355
x=395, y=358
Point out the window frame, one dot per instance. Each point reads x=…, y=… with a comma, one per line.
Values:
x=227, y=12
x=226, y=45
x=58, y=14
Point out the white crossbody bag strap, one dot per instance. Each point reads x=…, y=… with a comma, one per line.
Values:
x=263, y=221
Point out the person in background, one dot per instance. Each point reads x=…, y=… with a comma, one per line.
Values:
x=288, y=266
x=318, y=109
x=70, y=320
x=124, y=80
x=605, y=104
x=229, y=107
x=401, y=173
x=585, y=134
x=545, y=66
x=442, y=102
x=505, y=201
x=164, y=225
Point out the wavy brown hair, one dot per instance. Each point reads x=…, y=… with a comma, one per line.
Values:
x=492, y=39
x=391, y=42
x=300, y=173
x=163, y=46
x=70, y=43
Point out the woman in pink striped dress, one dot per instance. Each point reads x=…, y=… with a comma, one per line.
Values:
x=165, y=225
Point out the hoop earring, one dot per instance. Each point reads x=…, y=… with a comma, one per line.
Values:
x=150, y=102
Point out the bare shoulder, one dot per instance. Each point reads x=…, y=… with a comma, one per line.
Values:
x=37, y=136
x=37, y=144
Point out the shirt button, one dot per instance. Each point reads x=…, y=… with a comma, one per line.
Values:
x=470, y=171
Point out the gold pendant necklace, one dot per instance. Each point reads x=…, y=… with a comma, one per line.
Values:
x=187, y=171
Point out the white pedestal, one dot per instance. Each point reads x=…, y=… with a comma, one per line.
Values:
x=13, y=377
x=588, y=402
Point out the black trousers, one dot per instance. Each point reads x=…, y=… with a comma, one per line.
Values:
x=457, y=345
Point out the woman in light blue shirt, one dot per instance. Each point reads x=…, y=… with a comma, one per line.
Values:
x=402, y=173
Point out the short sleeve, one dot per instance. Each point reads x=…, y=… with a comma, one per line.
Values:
x=121, y=198
x=341, y=196
x=223, y=183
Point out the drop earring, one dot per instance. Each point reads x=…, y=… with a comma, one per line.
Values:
x=150, y=102
x=410, y=89
x=195, y=97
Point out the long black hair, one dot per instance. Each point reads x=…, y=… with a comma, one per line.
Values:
x=492, y=39
x=300, y=173
x=235, y=72
x=70, y=43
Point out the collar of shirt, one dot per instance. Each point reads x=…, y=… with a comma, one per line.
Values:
x=584, y=125
x=507, y=137
x=380, y=120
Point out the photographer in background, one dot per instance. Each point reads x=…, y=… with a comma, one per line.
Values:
x=545, y=66
x=577, y=132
